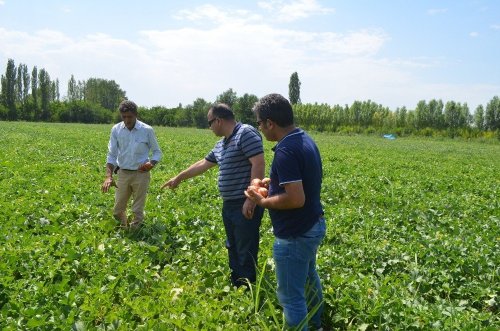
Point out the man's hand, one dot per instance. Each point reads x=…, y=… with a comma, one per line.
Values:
x=172, y=183
x=248, y=209
x=146, y=166
x=253, y=195
x=108, y=182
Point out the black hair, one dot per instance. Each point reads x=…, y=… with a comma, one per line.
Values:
x=276, y=108
x=127, y=105
x=221, y=110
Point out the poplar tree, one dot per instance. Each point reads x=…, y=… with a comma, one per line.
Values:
x=72, y=89
x=294, y=89
x=479, y=118
x=9, y=95
x=492, y=114
x=45, y=94
x=34, y=93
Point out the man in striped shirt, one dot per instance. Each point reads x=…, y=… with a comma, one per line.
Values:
x=240, y=157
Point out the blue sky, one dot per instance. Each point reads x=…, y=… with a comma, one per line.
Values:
x=395, y=53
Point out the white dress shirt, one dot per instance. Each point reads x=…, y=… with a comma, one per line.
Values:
x=128, y=149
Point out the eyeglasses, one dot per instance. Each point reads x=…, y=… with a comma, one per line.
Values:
x=211, y=121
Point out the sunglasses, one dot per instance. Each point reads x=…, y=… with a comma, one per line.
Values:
x=211, y=121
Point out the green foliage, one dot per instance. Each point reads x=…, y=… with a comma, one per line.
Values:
x=431, y=118
x=103, y=92
x=294, y=89
x=45, y=97
x=228, y=97
x=8, y=90
x=492, y=116
x=82, y=112
x=243, y=108
x=198, y=113
x=3, y=112
x=411, y=244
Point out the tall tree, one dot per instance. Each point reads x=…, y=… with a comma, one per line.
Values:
x=3, y=91
x=34, y=93
x=452, y=117
x=492, y=115
x=294, y=89
x=23, y=84
x=45, y=94
x=401, y=117
x=465, y=118
x=72, y=89
x=422, y=115
x=9, y=95
x=228, y=97
x=54, y=90
x=106, y=93
x=479, y=118
x=19, y=83
x=244, y=107
x=436, y=118
x=198, y=113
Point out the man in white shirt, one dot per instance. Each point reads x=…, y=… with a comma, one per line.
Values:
x=130, y=144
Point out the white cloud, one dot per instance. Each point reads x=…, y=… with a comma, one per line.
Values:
x=473, y=34
x=436, y=11
x=2, y=2
x=236, y=49
x=495, y=26
x=286, y=11
x=213, y=14
x=177, y=66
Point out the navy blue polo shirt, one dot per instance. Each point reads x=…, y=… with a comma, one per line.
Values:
x=296, y=159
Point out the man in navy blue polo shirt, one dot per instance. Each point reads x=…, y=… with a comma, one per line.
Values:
x=295, y=210
x=240, y=157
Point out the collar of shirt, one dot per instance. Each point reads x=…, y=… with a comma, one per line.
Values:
x=294, y=132
x=228, y=139
x=137, y=125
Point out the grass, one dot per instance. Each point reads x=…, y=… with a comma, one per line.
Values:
x=412, y=240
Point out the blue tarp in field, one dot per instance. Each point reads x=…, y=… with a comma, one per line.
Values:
x=390, y=136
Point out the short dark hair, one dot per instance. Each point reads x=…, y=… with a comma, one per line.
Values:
x=276, y=108
x=221, y=110
x=127, y=105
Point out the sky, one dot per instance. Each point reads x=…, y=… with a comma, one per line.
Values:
x=165, y=53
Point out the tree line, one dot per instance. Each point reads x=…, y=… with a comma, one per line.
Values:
x=31, y=95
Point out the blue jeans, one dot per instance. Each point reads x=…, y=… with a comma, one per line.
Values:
x=242, y=240
x=299, y=287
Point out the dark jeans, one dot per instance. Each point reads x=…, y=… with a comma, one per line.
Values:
x=242, y=240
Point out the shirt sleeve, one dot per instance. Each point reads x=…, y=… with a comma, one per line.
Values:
x=210, y=157
x=251, y=142
x=287, y=166
x=155, y=148
x=112, y=148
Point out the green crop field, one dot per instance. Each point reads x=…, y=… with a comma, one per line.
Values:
x=413, y=239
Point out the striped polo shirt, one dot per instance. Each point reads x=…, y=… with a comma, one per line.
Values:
x=232, y=154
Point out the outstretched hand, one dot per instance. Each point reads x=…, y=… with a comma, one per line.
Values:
x=171, y=183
